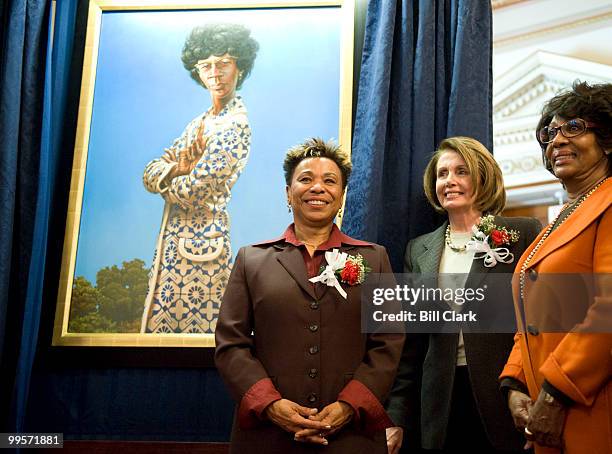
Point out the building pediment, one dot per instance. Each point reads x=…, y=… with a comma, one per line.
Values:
x=522, y=90
x=519, y=95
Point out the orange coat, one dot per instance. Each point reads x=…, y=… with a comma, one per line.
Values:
x=577, y=364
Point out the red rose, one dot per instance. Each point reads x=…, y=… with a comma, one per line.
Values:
x=499, y=237
x=350, y=273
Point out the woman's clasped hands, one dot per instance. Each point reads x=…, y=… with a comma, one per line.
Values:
x=308, y=424
x=187, y=158
x=541, y=422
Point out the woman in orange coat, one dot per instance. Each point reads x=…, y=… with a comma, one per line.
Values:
x=558, y=375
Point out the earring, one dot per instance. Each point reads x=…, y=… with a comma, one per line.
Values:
x=340, y=212
x=288, y=207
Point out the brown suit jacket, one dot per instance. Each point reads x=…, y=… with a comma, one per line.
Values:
x=579, y=364
x=307, y=340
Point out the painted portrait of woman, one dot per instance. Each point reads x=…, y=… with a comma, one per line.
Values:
x=195, y=176
x=188, y=109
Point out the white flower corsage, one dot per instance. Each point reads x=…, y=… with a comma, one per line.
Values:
x=348, y=269
x=486, y=239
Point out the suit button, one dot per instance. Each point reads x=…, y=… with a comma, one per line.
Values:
x=314, y=327
x=312, y=398
x=533, y=274
x=532, y=330
x=313, y=373
x=314, y=305
x=313, y=350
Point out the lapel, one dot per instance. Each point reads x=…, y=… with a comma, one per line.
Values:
x=429, y=257
x=291, y=259
x=588, y=212
x=477, y=274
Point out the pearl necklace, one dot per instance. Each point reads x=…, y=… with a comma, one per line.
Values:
x=572, y=207
x=447, y=237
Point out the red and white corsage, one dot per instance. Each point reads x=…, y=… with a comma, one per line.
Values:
x=341, y=267
x=487, y=239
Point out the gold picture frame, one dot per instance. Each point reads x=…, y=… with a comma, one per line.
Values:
x=90, y=135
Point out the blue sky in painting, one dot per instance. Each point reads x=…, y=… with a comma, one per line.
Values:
x=144, y=98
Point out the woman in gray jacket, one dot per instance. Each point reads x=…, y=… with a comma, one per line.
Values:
x=446, y=396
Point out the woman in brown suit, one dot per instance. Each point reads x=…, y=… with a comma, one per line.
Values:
x=289, y=347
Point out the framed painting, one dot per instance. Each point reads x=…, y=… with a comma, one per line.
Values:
x=185, y=114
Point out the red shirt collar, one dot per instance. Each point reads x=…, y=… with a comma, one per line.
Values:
x=336, y=239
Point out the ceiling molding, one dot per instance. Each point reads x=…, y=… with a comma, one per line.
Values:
x=564, y=27
x=514, y=136
x=497, y=4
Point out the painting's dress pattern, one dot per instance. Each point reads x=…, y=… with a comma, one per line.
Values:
x=193, y=257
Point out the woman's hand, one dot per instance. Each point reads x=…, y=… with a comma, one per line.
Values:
x=187, y=158
x=519, y=404
x=337, y=415
x=294, y=418
x=546, y=421
x=183, y=166
x=395, y=436
x=197, y=147
x=169, y=155
x=334, y=416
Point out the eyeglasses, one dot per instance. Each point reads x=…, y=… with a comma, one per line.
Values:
x=570, y=128
x=207, y=66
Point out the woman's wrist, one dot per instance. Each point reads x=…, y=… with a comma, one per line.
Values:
x=347, y=408
x=554, y=395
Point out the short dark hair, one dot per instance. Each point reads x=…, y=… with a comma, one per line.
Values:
x=220, y=39
x=592, y=103
x=317, y=148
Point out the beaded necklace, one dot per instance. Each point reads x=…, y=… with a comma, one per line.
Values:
x=565, y=213
x=449, y=243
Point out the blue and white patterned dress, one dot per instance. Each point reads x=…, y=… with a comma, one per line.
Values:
x=193, y=257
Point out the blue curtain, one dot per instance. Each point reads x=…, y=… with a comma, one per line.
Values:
x=425, y=75
x=57, y=75
x=23, y=38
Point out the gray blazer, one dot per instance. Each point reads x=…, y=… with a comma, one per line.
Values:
x=421, y=397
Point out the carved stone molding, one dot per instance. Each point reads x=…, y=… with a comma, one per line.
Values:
x=519, y=95
x=496, y=4
x=520, y=165
x=513, y=136
x=539, y=77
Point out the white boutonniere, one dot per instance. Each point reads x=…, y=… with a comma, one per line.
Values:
x=342, y=267
x=487, y=239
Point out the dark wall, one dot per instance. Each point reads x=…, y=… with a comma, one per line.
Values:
x=131, y=404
